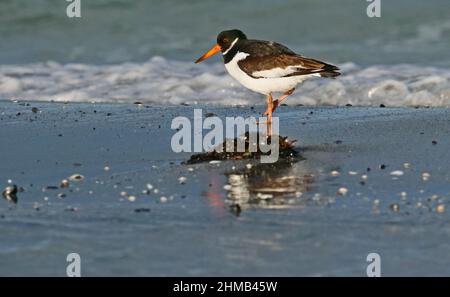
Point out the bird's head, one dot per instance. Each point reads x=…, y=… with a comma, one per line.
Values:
x=225, y=40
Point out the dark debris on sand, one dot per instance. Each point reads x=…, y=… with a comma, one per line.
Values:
x=286, y=151
x=10, y=193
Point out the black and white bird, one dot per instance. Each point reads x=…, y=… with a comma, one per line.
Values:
x=266, y=67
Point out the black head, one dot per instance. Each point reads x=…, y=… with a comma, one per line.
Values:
x=224, y=41
x=226, y=38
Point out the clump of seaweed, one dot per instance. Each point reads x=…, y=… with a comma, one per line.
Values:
x=229, y=150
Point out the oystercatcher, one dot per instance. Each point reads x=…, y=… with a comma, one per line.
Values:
x=266, y=67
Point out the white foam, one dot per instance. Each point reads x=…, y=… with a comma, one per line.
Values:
x=174, y=82
x=9, y=85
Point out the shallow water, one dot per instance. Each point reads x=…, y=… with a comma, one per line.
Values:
x=261, y=220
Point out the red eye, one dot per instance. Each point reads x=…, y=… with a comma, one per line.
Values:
x=226, y=40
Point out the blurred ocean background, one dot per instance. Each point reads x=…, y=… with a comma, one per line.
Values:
x=123, y=50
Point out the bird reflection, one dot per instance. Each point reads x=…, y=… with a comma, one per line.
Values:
x=272, y=186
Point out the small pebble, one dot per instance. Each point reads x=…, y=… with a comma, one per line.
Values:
x=163, y=199
x=182, y=180
x=10, y=194
x=65, y=183
x=342, y=191
x=334, y=173
x=139, y=210
x=131, y=198
x=395, y=207
x=426, y=176
x=397, y=173
x=440, y=208
x=49, y=188
x=76, y=177
x=106, y=168
x=249, y=166
x=404, y=196
x=149, y=187
x=407, y=165
x=434, y=198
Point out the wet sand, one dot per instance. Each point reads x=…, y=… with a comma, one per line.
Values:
x=369, y=180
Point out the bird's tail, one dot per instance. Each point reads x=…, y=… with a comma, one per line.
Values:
x=330, y=71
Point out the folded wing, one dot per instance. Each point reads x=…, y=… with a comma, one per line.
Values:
x=273, y=60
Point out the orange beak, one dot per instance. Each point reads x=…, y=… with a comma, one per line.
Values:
x=210, y=53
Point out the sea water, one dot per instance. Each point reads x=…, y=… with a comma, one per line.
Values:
x=126, y=51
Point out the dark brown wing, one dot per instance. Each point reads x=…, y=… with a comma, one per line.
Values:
x=266, y=56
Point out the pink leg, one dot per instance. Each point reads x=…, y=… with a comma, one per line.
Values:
x=269, y=114
x=277, y=102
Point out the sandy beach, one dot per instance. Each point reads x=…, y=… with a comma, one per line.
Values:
x=368, y=180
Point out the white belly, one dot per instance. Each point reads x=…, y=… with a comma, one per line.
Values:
x=262, y=85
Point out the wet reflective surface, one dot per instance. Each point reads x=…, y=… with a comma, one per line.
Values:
x=373, y=181
x=267, y=186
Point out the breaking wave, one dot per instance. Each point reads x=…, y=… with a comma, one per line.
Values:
x=174, y=82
